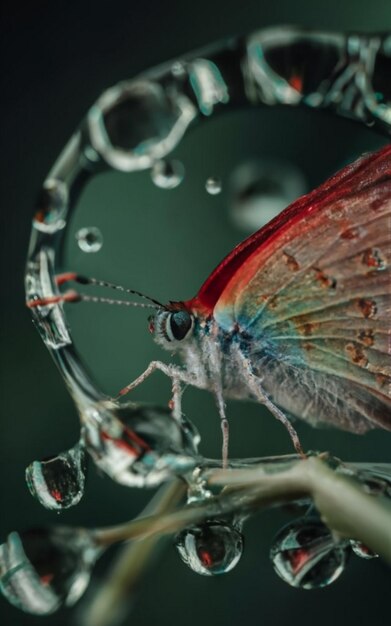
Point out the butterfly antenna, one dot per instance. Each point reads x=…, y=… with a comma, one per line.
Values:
x=74, y=296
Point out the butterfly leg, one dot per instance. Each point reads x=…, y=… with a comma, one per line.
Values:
x=175, y=403
x=224, y=425
x=284, y=420
x=176, y=374
x=213, y=359
x=255, y=386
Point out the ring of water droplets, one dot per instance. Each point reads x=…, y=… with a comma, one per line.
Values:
x=133, y=126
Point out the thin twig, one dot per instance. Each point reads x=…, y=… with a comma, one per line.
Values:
x=342, y=503
x=114, y=597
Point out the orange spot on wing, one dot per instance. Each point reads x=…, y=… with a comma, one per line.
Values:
x=381, y=380
x=366, y=337
x=372, y=258
x=290, y=261
x=324, y=280
x=367, y=308
x=350, y=233
x=356, y=354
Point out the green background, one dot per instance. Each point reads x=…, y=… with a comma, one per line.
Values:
x=57, y=58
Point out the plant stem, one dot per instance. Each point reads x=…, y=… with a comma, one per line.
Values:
x=342, y=503
x=114, y=597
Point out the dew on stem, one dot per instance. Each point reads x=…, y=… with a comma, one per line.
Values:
x=44, y=568
x=58, y=481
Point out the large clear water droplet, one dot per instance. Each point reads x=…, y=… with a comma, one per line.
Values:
x=211, y=548
x=362, y=550
x=167, y=174
x=304, y=554
x=44, y=568
x=213, y=185
x=40, y=284
x=139, y=446
x=58, y=482
x=138, y=122
x=260, y=190
x=89, y=239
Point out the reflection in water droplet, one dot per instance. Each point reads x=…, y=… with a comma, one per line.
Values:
x=305, y=555
x=211, y=548
x=213, y=185
x=40, y=284
x=51, y=206
x=58, y=482
x=89, y=239
x=167, y=174
x=138, y=446
x=197, y=487
x=260, y=190
x=44, y=568
x=361, y=550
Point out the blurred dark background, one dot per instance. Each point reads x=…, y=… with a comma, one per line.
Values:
x=56, y=58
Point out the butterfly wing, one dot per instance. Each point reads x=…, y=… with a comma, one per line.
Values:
x=312, y=291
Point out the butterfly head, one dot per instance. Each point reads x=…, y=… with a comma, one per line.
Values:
x=172, y=326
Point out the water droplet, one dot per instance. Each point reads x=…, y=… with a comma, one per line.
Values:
x=51, y=206
x=178, y=69
x=89, y=239
x=40, y=284
x=260, y=190
x=167, y=174
x=138, y=122
x=379, y=98
x=208, y=85
x=58, y=482
x=211, y=548
x=44, y=568
x=278, y=76
x=305, y=555
x=213, y=185
x=376, y=481
x=197, y=487
x=91, y=154
x=138, y=446
x=362, y=550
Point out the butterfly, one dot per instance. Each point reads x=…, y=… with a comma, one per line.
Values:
x=297, y=316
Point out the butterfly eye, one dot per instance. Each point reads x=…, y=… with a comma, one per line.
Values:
x=178, y=325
